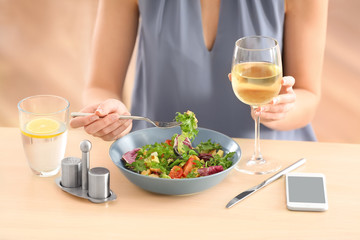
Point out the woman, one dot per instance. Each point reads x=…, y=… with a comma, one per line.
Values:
x=184, y=55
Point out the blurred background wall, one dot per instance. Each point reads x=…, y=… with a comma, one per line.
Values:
x=44, y=49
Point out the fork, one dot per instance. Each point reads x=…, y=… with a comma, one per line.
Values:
x=155, y=123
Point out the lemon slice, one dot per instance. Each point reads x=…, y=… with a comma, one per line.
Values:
x=42, y=126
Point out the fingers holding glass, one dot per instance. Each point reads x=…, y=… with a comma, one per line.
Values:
x=278, y=108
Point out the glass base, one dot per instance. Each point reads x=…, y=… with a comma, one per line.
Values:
x=258, y=166
x=46, y=174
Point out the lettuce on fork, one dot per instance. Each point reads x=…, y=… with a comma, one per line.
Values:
x=188, y=131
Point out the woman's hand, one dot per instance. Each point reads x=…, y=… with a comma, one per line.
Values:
x=105, y=122
x=278, y=108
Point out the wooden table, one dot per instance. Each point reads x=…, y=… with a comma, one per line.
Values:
x=35, y=208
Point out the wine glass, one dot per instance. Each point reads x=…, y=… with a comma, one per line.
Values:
x=256, y=76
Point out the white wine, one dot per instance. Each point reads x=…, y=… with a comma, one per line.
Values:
x=256, y=83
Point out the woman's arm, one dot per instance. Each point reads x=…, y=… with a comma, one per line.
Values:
x=113, y=43
x=304, y=44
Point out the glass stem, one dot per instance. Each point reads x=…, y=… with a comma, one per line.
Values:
x=257, y=154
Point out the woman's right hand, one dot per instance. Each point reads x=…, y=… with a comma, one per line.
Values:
x=105, y=122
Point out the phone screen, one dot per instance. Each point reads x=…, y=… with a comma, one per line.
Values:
x=306, y=189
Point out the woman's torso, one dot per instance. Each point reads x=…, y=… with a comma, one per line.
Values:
x=177, y=72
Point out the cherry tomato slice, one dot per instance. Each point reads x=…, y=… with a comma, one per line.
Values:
x=176, y=172
x=188, y=166
x=168, y=141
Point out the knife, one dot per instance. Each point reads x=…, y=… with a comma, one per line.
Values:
x=271, y=179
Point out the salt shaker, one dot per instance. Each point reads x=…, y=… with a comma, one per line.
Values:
x=71, y=172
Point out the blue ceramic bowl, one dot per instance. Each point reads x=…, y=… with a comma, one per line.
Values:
x=171, y=186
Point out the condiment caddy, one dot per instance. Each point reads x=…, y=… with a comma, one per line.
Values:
x=77, y=179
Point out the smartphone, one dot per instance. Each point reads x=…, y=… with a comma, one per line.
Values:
x=306, y=192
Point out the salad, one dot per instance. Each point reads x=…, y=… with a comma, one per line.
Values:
x=176, y=158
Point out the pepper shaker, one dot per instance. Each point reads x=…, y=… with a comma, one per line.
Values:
x=99, y=183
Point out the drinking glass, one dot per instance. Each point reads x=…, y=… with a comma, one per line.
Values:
x=256, y=76
x=43, y=126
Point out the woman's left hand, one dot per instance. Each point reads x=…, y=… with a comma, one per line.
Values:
x=280, y=105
